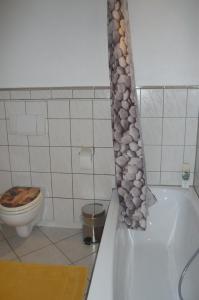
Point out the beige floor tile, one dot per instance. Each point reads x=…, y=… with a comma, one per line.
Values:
x=47, y=255
x=57, y=234
x=1, y=236
x=75, y=249
x=8, y=231
x=88, y=262
x=6, y=252
x=34, y=242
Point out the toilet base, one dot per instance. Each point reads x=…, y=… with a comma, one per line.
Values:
x=24, y=231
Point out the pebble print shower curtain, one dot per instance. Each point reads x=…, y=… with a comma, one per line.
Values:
x=128, y=150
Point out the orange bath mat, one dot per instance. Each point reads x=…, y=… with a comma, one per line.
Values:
x=19, y=281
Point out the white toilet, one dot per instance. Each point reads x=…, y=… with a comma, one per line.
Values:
x=23, y=217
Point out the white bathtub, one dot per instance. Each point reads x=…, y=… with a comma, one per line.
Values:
x=135, y=265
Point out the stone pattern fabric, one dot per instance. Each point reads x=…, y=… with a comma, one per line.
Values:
x=128, y=150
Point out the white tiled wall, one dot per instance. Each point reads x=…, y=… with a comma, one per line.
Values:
x=81, y=117
x=74, y=118
x=196, y=170
x=169, y=127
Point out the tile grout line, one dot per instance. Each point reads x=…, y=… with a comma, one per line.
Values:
x=28, y=148
x=66, y=238
x=54, y=243
x=93, y=152
x=161, y=146
x=39, y=172
x=87, y=256
x=51, y=179
x=185, y=128
x=12, y=248
x=9, y=154
x=71, y=160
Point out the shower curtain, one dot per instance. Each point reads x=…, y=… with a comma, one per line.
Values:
x=133, y=192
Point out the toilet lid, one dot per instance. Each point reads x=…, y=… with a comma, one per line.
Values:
x=19, y=196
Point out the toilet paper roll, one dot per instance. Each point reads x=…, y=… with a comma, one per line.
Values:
x=85, y=158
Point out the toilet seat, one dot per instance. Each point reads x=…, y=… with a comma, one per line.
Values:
x=23, y=208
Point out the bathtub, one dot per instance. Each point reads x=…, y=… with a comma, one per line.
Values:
x=135, y=265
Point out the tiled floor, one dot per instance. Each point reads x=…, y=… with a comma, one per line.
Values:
x=48, y=245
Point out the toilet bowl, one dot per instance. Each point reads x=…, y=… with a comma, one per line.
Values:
x=24, y=217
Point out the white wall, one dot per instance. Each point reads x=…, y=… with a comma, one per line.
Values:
x=53, y=43
x=165, y=41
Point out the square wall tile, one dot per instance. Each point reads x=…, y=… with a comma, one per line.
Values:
x=42, y=180
x=2, y=110
x=83, y=186
x=151, y=102
x=171, y=178
x=63, y=211
x=191, y=131
x=103, y=93
x=4, y=95
x=21, y=179
x=81, y=132
x=61, y=93
x=19, y=158
x=14, y=108
x=193, y=103
x=173, y=131
x=36, y=108
x=60, y=159
x=76, y=162
x=78, y=204
x=62, y=185
x=172, y=158
x=5, y=181
x=20, y=94
x=153, y=178
x=83, y=93
x=38, y=140
x=3, y=133
x=39, y=159
x=151, y=131
x=101, y=109
x=48, y=214
x=58, y=109
x=104, y=161
x=17, y=140
x=81, y=109
x=175, y=102
x=153, y=157
x=41, y=94
x=103, y=186
x=103, y=133
x=59, y=131
x=4, y=159
x=189, y=156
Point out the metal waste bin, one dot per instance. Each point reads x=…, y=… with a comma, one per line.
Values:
x=93, y=216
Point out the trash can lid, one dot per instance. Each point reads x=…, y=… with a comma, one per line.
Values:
x=92, y=210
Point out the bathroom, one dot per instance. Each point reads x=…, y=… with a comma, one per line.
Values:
x=55, y=113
